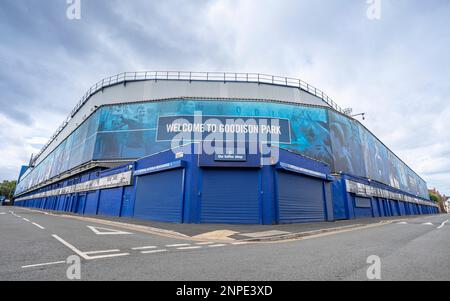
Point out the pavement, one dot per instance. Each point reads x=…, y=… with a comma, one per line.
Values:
x=37, y=245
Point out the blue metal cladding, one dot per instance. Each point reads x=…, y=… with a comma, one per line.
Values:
x=128, y=202
x=230, y=196
x=407, y=208
x=60, y=203
x=340, y=206
x=70, y=203
x=375, y=208
x=300, y=199
x=387, y=207
x=159, y=196
x=91, y=203
x=402, y=208
x=110, y=202
x=363, y=207
x=395, y=208
x=81, y=203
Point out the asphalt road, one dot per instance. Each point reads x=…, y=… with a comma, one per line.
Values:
x=35, y=246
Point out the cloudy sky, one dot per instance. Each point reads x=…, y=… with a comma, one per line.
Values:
x=396, y=69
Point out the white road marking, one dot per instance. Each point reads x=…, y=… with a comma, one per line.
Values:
x=107, y=256
x=39, y=226
x=108, y=231
x=154, y=251
x=27, y=220
x=427, y=224
x=1, y=213
x=178, y=245
x=42, y=264
x=78, y=252
x=190, y=248
x=144, y=248
x=218, y=245
x=240, y=243
x=85, y=255
x=101, y=252
x=402, y=223
x=443, y=224
x=205, y=243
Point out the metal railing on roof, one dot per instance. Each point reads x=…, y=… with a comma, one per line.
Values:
x=192, y=76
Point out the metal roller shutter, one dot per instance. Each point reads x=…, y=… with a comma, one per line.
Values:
x=375, y=210
x=300, y=199
x=159, y=196
x=81, y=202
x=363, y=207
x=91, y=203
x=110, y=202
x=395, y=208
x=230, y=196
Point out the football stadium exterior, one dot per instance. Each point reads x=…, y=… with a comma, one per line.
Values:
x=135, y=147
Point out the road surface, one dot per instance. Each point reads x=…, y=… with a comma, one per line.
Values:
x=35, y=246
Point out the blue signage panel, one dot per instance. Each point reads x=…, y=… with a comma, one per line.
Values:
x=223, y=128
x=231, y=157
x=158, y=168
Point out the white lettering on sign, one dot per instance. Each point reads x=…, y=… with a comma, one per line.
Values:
x=223, y=128
x=117, y=180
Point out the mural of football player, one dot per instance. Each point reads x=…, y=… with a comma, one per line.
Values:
x=310, y=133
x=346, y=145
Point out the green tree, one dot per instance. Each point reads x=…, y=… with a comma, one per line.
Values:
x=7, y=189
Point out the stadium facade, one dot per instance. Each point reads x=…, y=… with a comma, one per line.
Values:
x=135, y=146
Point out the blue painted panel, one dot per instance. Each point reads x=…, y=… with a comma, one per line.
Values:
x=128, y=202
x=110, y=202
x=363, y=207
x=230, y=196
x=60, y=203
x=375, y=209
x=300, y=198
x=387, y=207
x=394, y=207
x=81, y=203
x=70, y=202
x=159, y=196
x=54, y=202
x=402, y=208
x=91, y=203
x=380, y=207
x=361, y=202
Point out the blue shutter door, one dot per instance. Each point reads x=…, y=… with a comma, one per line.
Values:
x=375, y=211
x=230, y=196
x=395, y=208
x=363, y=207
x=91, y=204
x=159, y=196
x=340, y=210
x=300, y=199
x=110, y=202
x=81, y=203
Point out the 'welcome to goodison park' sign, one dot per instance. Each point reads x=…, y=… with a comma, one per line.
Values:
x=223, y=128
